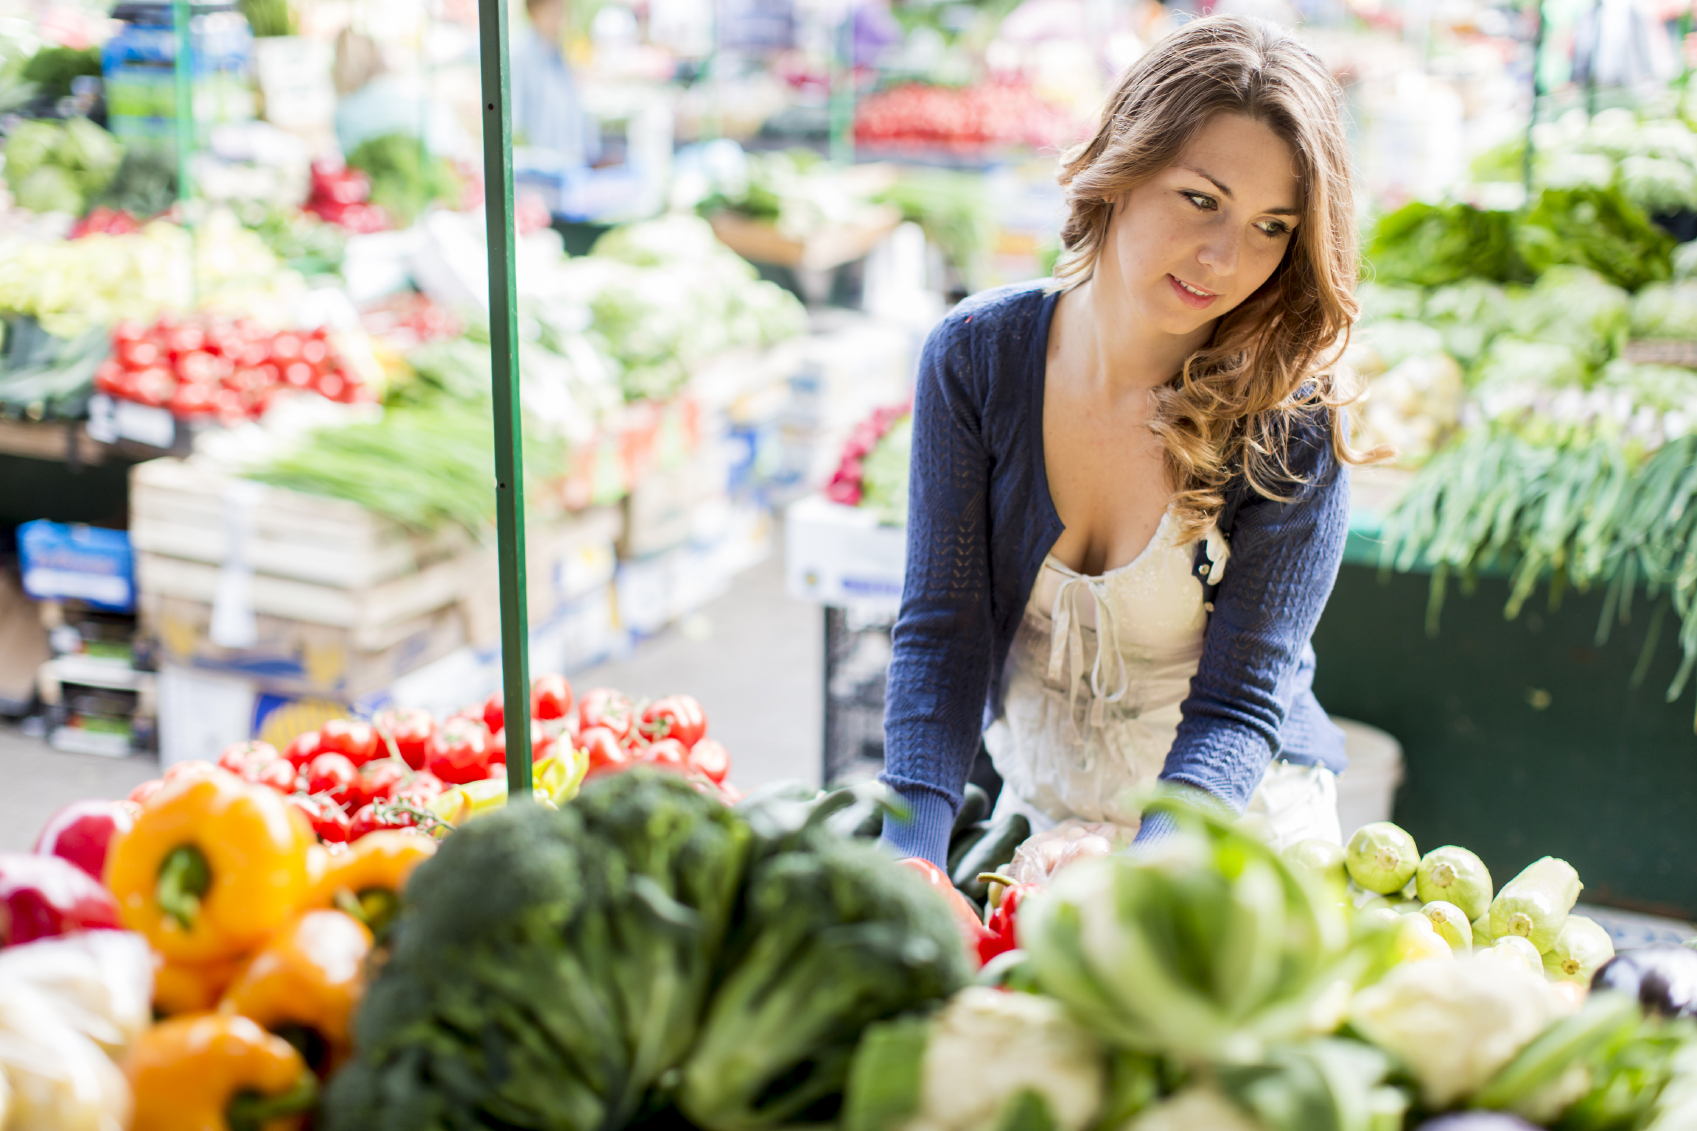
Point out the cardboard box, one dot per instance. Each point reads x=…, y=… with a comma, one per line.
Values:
x=842, y=556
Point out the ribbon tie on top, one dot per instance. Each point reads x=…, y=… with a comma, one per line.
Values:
x=1066, y=642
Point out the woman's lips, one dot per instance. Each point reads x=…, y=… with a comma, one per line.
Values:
x=1188, y=297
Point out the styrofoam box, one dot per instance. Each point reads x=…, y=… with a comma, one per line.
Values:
x=842, y=556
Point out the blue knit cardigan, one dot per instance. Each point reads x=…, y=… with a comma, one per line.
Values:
x=980, y=522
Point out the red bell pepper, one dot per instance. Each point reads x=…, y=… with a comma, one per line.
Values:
x=45, y=896
x=82, y=831
x=972, y=929
x=1004, y=922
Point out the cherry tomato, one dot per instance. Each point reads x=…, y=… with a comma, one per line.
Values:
x=379, y=815
x=494, y=716
x=539, y=741
x=378, y=780
x=459, y=751
x=138, y=353
x=409, y=728
x=285, y=347
x=238, y=756
x=710, y=758
x=354, y=740
x=193, y=399
x=335, y=775
x=303, y=748
x=192, y=768
x=141, y=793
x=605, y=753
x=667, y=754
x=550, y=697
x=151, y=386
x=186, y=338
x=604, y=707
x=420, y=788
x=675, y=716
x=276, y=774
x=329, y=820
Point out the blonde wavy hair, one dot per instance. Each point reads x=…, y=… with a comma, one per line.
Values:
x=1274, y=358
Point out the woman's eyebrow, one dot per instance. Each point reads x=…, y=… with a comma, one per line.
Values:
x=1227, y=193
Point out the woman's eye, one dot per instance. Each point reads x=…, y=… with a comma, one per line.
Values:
x=1202, y=200
x=1275, y=228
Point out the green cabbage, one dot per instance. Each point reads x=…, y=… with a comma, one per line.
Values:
x=1658, y=184
x=49, y=189
x=1573, y=307
x=1595, y=228
x=1431, y=245
x=29, y=146
x=1665, y=310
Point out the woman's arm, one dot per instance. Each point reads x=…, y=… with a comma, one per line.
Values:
x=1284, y=560
x=940, y=666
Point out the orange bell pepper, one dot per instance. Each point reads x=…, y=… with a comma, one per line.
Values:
x=304, y=985
x=217, y=1072
x=213, y=866
x=183, y=987
x=366, y=880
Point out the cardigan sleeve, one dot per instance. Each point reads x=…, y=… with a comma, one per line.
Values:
x=1284, y=560
x=943, y=638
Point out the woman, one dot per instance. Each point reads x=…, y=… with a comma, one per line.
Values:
x=1129, y=496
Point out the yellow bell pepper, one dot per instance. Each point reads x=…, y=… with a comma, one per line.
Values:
x=304, y=985
x=217, y=1072
x=473, y=799
x=561, y=773
x=212, y=867
x=182, y=987
x=366, y=880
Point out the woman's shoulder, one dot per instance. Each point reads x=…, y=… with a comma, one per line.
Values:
x=1002, y=315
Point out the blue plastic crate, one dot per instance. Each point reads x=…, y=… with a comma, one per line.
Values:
x=83, y=563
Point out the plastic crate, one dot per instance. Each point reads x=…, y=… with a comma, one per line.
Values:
x=83, y=563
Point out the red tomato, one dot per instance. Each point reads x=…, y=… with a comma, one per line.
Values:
x=238, y=756
x=193, y=400
x=314, y=351
x=186, y=338
x=138, y=353
x=388, y=815
x=355, y=740
x=285, y=347
x=550, y=697
x=667, y=754
x=335, y=775
x=151, y=386
x=459, y=752
x=298, y=373
x=604, y=707
x=304, y=748
x=198, y=366
x=192, y=768
x=277, y=774
x=129, y=331
x=494, y=716
x=329, y=820
x=141, y=793
x=675, y=716
x=409, y=728
x=82, y=831
x=420, y=788
x=710, y=758
x=378, y=780
x=539, y=741
x=109, y=378
x=605, y=753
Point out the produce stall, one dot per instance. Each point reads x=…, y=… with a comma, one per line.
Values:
x=360, y=927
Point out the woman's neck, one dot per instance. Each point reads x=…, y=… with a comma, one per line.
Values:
x=1115, y=347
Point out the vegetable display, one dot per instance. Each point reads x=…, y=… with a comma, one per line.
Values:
x=59, y=167
x=962, y=119
x=873, y=470
x=200, y=367
x=1542, y=451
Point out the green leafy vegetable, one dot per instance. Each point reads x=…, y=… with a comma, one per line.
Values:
x=1435, y=245
x=404, y=180
x=1595, y=228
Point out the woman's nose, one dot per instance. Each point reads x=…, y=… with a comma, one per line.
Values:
x=1219, y=253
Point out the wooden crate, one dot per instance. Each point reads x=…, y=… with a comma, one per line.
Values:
x=1662, y=351
x=183, y=511
x=830, y=247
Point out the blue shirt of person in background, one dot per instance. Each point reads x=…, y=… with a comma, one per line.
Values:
x=547, y=112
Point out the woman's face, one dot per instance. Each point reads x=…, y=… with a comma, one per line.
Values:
x=1191, y=243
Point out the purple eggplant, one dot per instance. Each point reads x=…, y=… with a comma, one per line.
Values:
x=1663, y=978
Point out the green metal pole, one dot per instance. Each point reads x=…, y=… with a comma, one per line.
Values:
x=842, y=93
x=183, y=68
x=504, y=378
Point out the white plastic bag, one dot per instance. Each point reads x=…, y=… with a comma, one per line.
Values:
x=1039, y=858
